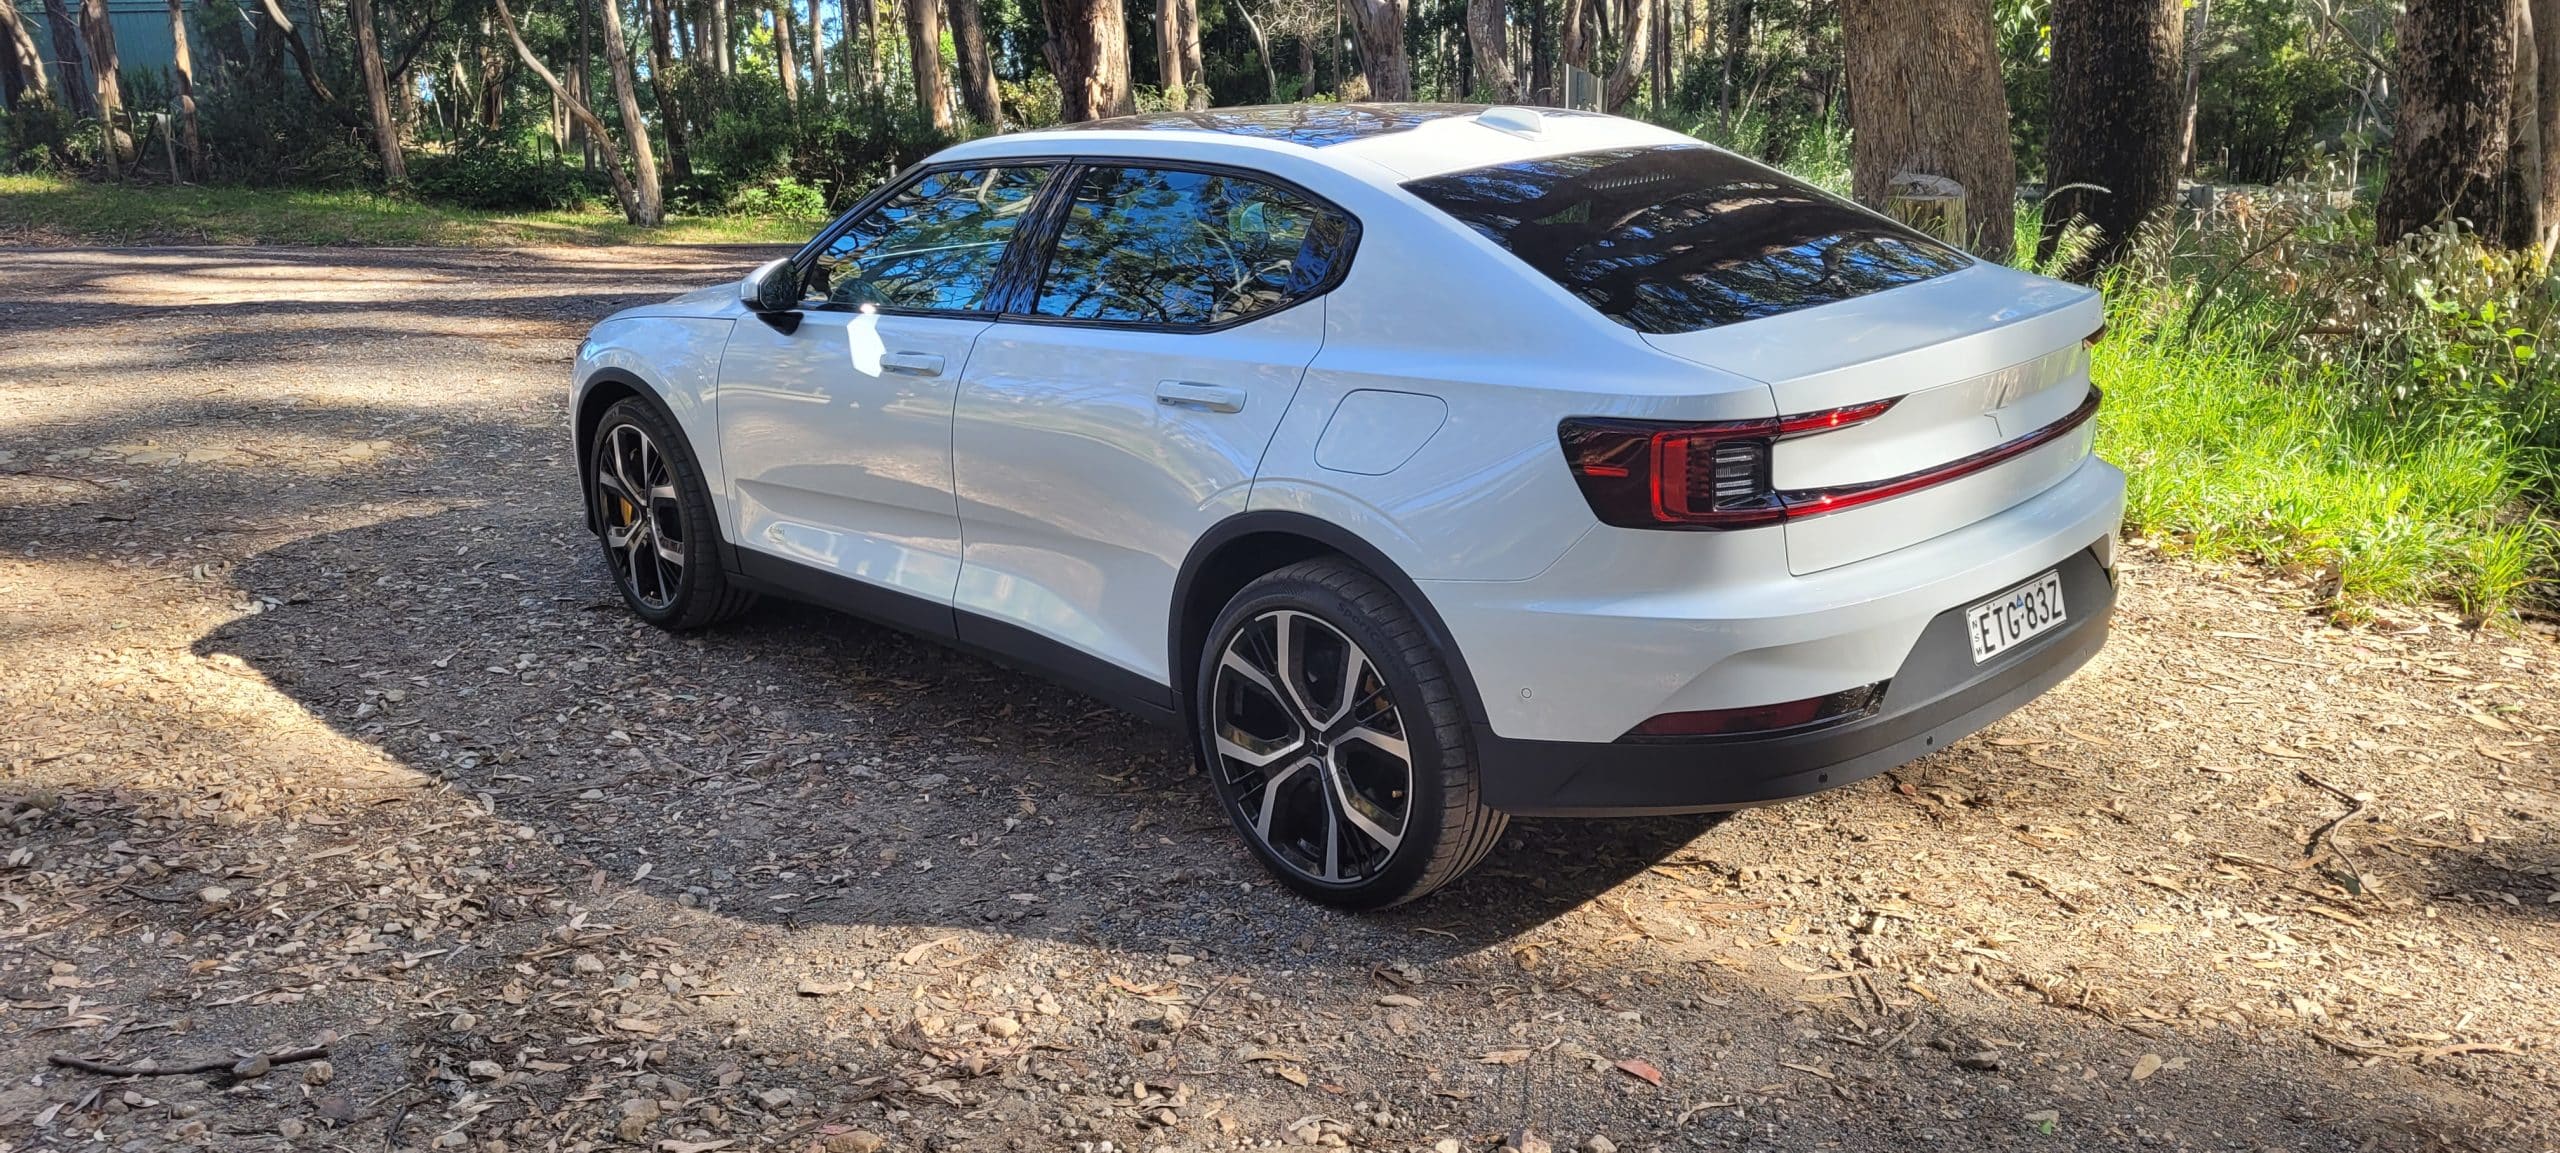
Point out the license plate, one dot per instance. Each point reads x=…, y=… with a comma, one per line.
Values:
x=2008, y=620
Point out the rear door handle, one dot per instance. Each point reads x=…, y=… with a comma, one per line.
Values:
x=1205, y=397
x=911, y=363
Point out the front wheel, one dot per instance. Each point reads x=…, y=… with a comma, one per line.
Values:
x=653, y=513
x=1335, y=740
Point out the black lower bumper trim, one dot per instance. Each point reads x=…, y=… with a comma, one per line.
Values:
x=1937, y=698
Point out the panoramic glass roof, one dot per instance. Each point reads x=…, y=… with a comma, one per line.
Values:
x=1313, y=125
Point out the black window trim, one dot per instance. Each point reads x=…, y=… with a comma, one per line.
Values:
x=1017, y=282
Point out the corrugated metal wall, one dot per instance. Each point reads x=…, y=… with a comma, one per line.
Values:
x=142, y=33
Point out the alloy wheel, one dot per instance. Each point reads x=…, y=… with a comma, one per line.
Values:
x=643, y=520
x=1311, y=747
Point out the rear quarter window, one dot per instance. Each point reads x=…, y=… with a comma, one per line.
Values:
x=1678, y=238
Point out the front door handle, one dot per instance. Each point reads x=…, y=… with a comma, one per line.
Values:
x=911, y=363
x=1205, y=397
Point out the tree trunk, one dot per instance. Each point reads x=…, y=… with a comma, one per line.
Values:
x=301, y=53
x=2193, y=89
x=1635, y=32
x=1925, y=98
x=977, y=69
x=2546, y=105
x=377, y=93
x=924, y=44
x=2116, y=95
x=662, y=85
x=1089, y=51
x=1262, y=51
x=786, y=58
x=1169, y=51
x=98, y=44
x=63, y=29
x=873, y=78
x=2524, y=207
x=2449, y=146
x=817, y=49
x=718, y=10
x=1572, y=46
x=1489, y=34
x=1195, y=74
x=1378, y=26
x=21, y=49
x=182, y=75
x=640, y=203
x=1737, y=53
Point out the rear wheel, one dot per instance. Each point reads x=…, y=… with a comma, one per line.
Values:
x=653, y=513
x=1334, y=739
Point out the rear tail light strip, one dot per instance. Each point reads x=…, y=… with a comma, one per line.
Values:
x=1653, y=474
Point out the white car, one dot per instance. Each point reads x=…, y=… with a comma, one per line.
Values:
x=1426, y=464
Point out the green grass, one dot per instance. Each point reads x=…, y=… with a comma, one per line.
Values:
x=2233, y=454
x=56, y=210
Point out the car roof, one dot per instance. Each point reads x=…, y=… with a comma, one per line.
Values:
x=1408, y=141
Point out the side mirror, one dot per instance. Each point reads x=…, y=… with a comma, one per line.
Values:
x=773, y=287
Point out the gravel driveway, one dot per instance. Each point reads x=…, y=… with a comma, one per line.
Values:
x=321, y=726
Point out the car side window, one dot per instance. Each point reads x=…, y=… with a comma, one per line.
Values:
x=937, y=245
x=1168, y=247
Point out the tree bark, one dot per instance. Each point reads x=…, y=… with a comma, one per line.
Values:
x=2116, y=106
x=301, y=53
x=1089, y=51
x=2546, y=42
x=637, y=189
x=1169, y=51
x=721, y=59
x=377, y=93
x=1489, y=34
x=98, y=44
x=817, y=49
x=786, y=58
x=977, y=68
x=1635, y=30
x=63, y=29
x=1542, y=65
x=1737, y=53
x=662, y=85
x=1925, y=97
x=1195, y=75
x=2449, y=147
x=2193, y=89
x=22, y=51
x=1378, y=26
x=924, y=43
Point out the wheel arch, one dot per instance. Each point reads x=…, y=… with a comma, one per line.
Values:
x=1245, y=546
x=606, y=387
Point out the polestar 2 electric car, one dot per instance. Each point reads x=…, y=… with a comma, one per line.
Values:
x=1425, y=464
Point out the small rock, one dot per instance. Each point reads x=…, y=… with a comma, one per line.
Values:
x=857, y=1141
x=1447, y=1145
x=250, y=1068
x=485, y=1070
x=586, y=963
x=291, y=1128
x=336, y=1108
x=778, y=1099
x=213, y=894
x=318, y=1073
x=1002, y=1027
x=1600, y=1144
x=1986, y=1061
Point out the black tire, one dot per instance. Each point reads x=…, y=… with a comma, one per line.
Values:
x=1445, y=828
x=678, y=597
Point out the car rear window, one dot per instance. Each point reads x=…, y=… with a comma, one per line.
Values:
x=1678, y=238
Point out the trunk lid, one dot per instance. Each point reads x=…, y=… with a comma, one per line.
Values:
x=1980, y=359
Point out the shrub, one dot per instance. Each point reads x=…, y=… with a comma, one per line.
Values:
x=488, y=175
x=784, y=199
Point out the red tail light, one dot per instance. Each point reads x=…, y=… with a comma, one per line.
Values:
x=1649, y=474
x=1654, y=474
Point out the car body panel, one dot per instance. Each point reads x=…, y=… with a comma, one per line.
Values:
x=840, y=443
x=676, y=356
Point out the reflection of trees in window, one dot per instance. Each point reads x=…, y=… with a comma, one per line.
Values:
x=934, y=245
x=1676, y=239
x=1163, y=247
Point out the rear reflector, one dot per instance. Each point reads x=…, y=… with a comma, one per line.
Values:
x=1764, y=720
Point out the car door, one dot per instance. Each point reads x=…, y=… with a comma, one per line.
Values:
x=1121, y=406
x=835, y=420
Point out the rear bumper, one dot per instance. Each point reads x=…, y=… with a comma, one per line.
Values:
x=1936, y=697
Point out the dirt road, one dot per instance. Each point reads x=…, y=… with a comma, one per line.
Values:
x=317, y=713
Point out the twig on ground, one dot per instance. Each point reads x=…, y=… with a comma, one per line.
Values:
x=215, y=1065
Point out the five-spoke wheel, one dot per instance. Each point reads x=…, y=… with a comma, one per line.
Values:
x=1334, y=742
